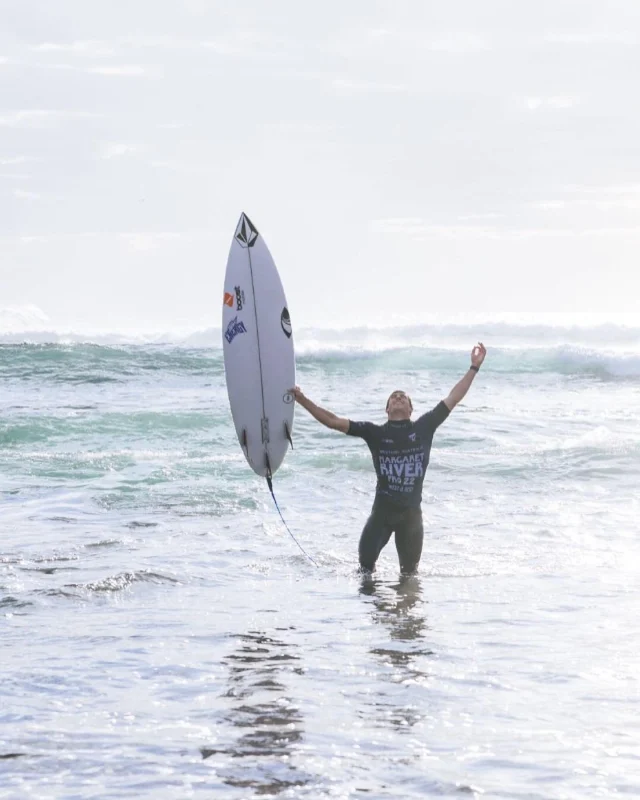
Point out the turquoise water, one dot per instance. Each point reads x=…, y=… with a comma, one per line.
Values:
x=162, y=636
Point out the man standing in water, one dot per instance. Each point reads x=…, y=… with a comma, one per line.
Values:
x=400, y=449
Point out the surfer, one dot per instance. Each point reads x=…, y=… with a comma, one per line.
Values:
x=400, y=450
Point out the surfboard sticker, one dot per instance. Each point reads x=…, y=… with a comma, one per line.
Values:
x=285, y=322
x=246, y=234
x=234, y=327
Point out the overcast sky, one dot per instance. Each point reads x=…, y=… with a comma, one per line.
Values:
x=400, y=158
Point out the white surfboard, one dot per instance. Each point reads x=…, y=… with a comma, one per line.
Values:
x=258, y=350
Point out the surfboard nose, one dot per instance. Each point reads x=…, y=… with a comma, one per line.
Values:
x=246, y=232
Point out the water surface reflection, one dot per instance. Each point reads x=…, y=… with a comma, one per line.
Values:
x=263, y=713
x=399, y=609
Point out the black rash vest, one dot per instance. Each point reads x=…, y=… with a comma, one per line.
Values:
x=400, y=452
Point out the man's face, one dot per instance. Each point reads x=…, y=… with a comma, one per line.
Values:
x=399, y=405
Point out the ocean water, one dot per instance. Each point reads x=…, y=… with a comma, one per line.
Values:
x=162, y=636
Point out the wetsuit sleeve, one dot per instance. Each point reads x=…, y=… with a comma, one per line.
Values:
x=434, y=418
x=363, y=430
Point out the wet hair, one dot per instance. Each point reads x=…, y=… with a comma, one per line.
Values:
x=398, y=391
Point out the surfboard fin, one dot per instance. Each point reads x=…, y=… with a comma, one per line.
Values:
x=245, y=446
x=269, y=475
x=287, y=433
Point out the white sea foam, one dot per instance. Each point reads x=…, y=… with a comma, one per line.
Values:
x=571, y=338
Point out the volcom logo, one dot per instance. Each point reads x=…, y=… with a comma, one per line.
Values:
x=239, y=298
x=412, y=437
x=285, y=321
x=233, y=329
x=246, y=234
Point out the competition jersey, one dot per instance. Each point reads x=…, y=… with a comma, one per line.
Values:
x=400, y=452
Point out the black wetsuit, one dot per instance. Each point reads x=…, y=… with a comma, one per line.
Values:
x=400, y=452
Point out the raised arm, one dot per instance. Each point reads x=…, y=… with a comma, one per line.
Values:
x=327, y=418
x=462, y=387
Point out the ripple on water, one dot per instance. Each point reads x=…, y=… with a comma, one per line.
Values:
x=124, y=580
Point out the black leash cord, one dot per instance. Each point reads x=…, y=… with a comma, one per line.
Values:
x=270, y=485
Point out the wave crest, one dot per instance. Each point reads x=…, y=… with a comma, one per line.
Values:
x=607, y=350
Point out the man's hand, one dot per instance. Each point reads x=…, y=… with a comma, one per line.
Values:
x=477, y=355
x=462, y=387
x=297, y=393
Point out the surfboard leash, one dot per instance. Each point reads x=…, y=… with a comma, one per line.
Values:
x=270, y=485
